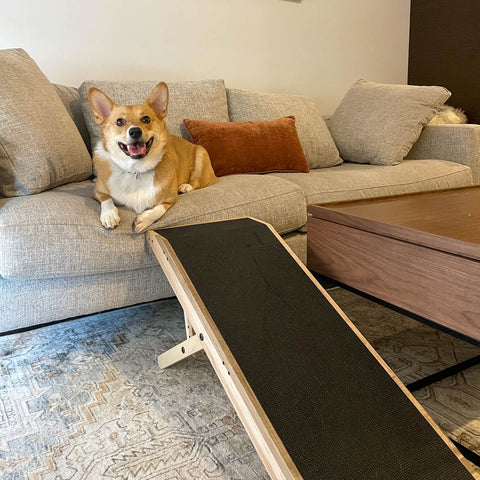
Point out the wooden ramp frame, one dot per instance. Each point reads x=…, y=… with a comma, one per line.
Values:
x=310, y=456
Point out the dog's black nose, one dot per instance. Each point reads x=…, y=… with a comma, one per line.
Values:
x=135, y=132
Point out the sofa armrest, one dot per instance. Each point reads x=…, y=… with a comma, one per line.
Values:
x=456, y=143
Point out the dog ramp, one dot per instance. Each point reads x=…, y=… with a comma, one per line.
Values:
x=315, y=398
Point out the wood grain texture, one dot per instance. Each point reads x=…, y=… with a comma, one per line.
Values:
x=439, y=286
x=448, y=220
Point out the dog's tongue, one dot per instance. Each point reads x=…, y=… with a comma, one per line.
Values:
x=137, y=148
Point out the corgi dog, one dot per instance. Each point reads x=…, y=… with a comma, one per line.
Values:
x=138, y=163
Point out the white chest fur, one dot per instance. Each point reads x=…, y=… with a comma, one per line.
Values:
x=134, y=190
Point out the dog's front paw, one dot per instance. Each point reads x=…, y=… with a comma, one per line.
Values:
x=141, y=223
x=145, y=219
x=185, y=188
x=110, y=218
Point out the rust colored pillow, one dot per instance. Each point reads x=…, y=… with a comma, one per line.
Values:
x=250, y=147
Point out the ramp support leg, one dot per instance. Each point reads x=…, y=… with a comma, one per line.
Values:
x=183, y=350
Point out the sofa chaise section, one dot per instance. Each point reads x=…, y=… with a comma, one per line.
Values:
x=353, y=181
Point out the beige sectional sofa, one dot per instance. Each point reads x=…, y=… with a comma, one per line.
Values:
x=56, y=259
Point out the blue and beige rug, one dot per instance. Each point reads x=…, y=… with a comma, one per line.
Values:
x=84, y=399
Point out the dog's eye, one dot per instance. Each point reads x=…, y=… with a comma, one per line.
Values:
x=121, y=122
x=146, y=119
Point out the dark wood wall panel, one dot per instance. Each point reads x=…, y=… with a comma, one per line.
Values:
x=445, y=50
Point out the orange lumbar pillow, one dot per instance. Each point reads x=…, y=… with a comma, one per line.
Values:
x=250, y=147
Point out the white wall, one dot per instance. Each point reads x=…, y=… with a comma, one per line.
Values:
x=312, y=47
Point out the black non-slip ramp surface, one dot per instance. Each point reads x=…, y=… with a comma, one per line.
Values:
x=337, y=411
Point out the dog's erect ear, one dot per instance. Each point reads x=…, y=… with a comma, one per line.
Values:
x=100, y=104
x=158, y=99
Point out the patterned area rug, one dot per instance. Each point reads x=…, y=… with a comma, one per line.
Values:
x=84, y=399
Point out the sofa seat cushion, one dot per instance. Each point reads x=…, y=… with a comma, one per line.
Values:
x=58, y=233
x=351, y=181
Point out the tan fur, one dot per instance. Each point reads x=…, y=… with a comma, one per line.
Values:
x=149, y=185
x=447, y=114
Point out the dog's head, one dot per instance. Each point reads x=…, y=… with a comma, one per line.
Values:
x=132, y=133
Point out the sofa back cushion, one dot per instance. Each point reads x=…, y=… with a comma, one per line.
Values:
x=200, y=100
x=379, y=123
x=40, y=146
x=71, y=99
x=315, y=138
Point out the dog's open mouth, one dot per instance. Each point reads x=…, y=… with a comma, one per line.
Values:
x=136, y=150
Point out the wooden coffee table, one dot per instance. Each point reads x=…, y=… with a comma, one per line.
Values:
x=419, y=252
